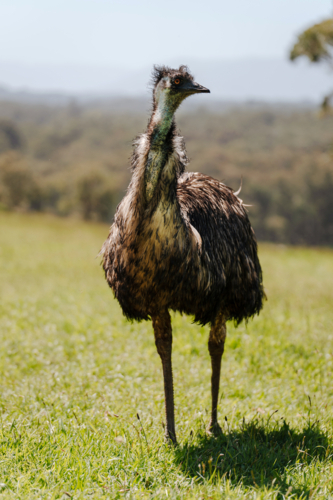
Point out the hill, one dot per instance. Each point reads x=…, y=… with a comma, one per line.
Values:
x=268, y=79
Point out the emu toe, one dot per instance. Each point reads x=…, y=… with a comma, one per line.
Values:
x=214, y=429
x=171, y=438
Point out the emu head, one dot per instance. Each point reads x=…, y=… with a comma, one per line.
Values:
x=172, y=86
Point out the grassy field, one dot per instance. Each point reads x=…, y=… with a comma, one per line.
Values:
x=75, y=374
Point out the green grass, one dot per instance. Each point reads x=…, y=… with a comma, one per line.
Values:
x=75, y=374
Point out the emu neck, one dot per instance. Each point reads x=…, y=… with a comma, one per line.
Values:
x=161, y=121
x=160, y=133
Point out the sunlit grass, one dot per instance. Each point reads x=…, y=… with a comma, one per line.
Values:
x=75, y=374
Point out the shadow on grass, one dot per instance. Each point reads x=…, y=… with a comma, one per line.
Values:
x=256, y=454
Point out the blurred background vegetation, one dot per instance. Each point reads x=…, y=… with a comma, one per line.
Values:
x=72, y=160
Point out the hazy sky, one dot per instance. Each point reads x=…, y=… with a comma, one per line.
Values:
x=136, y=33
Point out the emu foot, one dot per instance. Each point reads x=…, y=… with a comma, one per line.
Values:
x=214, y=429
x=170, y=437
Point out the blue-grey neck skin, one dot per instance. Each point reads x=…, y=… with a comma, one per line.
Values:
x=166, y=103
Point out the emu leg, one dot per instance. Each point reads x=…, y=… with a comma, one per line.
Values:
x=216, y=341
x=163, y=342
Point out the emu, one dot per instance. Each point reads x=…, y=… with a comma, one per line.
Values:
x=180, y=241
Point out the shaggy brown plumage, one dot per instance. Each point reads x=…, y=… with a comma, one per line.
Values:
x=180, y=241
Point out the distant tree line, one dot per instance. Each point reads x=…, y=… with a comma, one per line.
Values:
x=73, y=161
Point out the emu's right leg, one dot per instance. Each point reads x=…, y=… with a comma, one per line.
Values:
x=163, y=341
x=216, y=341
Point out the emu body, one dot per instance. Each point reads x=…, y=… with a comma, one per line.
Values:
x=180, y=241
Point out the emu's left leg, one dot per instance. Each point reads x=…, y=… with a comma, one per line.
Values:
x=216, y=341
x=163, y=341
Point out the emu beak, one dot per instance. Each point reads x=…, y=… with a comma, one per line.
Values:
x=195, y=88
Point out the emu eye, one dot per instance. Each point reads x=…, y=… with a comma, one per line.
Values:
x=177, y=81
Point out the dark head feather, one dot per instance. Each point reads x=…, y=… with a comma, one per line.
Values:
x=160, y=72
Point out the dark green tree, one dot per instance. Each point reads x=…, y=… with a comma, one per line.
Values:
x=316, y=43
